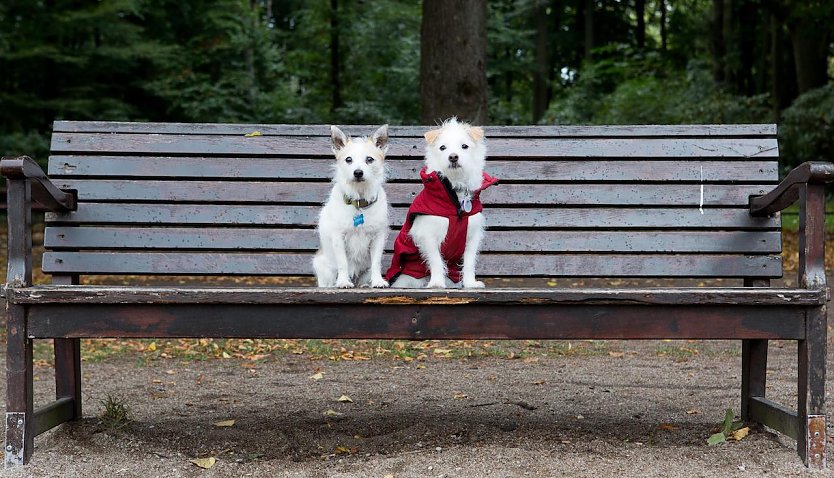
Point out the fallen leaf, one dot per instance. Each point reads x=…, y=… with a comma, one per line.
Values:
x=344, y=398
x=253, y=133
x=616, y=354
x=420, y=366
x=224, y=423
x=152, y=346
x=538, y=382
x=692, y=412
x=205, y=463
x=668, y=427
x=740, y=433
x=226, y=355
x=388, y=476
x=531, y=360
x=459, y=395
x=317, y=376
x=332, y=413
x=716, y=438
x=156, y=380
x=343, y=450
x=442, y=351
x=551, y=283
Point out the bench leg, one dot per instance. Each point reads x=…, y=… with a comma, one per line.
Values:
x=753, y=373
x=811, y=438
x=68, y=373
x=19, y=436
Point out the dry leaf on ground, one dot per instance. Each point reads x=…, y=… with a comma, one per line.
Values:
x=225, y=423
x=317, y=376
x=205, y=463
x=345, y=399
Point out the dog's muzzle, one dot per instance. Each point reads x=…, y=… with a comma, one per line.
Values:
x=453, y=160
x=358, y=175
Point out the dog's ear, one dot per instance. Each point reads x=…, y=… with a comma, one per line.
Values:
x=432, y=135
x=337, y=138
x=380, y=138
x=476, y=133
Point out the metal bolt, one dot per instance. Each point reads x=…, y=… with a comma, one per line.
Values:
x=8, y=448
x=817, y=456
x=20, y=423
x=816, y=434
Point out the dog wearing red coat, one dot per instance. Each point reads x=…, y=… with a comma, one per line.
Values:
x=438, y=245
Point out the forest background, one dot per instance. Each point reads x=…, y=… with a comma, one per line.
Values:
x=389, y=61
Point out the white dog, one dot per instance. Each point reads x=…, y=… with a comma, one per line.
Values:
x=438, y=245
x=353, y=224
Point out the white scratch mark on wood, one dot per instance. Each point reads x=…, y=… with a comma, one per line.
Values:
x=701, y=203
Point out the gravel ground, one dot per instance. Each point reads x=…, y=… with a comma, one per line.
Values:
x=635, y=415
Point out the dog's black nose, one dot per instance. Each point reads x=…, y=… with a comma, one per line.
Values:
x=358, y=173
x=453, y=158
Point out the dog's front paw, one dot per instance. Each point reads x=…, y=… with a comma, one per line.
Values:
x=473, y=284
x=344, y=283
x=436, y=284
x=379, y=282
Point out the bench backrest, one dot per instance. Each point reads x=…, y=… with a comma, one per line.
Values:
x=206, y=199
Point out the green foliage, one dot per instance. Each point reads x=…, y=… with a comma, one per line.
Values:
x=807, y=128
x=115, y=413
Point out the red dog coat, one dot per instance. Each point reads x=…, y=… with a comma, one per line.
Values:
x=436, y=199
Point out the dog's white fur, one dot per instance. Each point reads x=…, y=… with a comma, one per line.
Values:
x=428, y=232
x=353, y=254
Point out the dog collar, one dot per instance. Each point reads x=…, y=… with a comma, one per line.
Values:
x=359, y=203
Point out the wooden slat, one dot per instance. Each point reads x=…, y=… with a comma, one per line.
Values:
x=611, y=170
x=539, y=265
x=419, y=322
x=619, y=218
x=114, y=294
x=776, y=416
x=53, y=414
x=395, y=131
x=503, y=241
x=404, y=194
x=407, y=147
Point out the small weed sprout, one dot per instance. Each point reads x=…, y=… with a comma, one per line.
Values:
x=114, y=414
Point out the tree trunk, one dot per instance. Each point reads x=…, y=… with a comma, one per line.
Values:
x=810, y=45
x=589, y=28
x=542, y=74
x=453, y=61
x=640, y=12
x=719, y=49
x=663, y=33
x=730, y=43
x=335, y=84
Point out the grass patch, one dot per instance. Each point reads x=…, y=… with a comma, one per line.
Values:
x=115, y=413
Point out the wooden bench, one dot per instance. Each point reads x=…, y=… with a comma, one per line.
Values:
x=622, y=201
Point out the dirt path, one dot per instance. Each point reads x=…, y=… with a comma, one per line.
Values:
x=638, y=415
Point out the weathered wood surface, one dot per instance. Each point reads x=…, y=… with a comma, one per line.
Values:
x=499, y=265
x=776, y=416
x=232, y=192
x=508, y=169
x=404, y=321
x=720, y=130
x=515, y=218
x=731, y=296
x=281, y=240
x=274, y=146
x=53, y=414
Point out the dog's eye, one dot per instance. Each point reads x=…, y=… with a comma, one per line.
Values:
x=348, y=160
x=443, y=148
x=464, y=146
x=369, y=160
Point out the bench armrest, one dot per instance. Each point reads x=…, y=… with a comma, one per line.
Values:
x=787, y=192
x=27, y=181
x=806, y=184
x=43, y=190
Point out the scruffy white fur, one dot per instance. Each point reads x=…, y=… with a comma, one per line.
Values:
x=353, y=254
x=429, y=232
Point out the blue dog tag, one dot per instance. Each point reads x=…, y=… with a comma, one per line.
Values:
x=358, y=220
